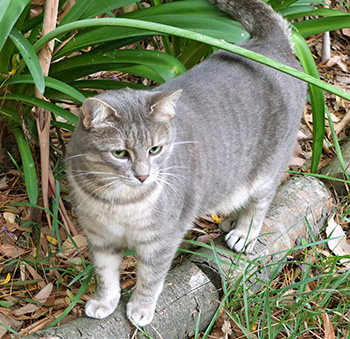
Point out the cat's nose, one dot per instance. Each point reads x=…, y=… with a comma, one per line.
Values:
x=142, y=178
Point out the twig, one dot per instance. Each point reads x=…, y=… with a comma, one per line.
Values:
x=43, y=116
x=343, y=123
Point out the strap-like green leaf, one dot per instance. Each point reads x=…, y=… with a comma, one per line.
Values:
x=50, y=82
x=30, y=177
x=44, y=104
x=84, y=9
x=278, y=4
x=9, y=13
x=161, y=64
x=316, y=96
x=106, y=84
x=30, y=58
x=196, y=15
x=193, y=36
x=321, y=25
x=296, y=12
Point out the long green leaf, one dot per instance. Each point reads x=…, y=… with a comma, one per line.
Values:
x=9, y=13
x=162, y=64
x=193, y=52
x=106, y=84
x=318, y=11
x=84, y=9
x=297, y=11
x=316, y=96
x=30, y=58
x=196, y=15
x=278, y=4
x=193, y=36
x=44, y=104
x=321, y=25
x=49, y=82
x=30, y=177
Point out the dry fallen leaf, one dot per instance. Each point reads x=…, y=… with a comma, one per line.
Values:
x=69, y=248
x=337, y=60
x=11, y=251
x=328, y=327
x=41, y=297
x=338, y=243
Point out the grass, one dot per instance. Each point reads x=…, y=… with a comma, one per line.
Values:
x=307, y=296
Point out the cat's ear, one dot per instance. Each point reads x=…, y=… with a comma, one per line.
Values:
x=95, y=113
x=164, y=107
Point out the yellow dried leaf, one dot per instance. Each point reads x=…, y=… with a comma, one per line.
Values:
x=8, y=277
x=52, y=240
x=215, y=218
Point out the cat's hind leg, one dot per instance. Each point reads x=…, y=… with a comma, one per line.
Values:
x=244, y=226
x=107, y=262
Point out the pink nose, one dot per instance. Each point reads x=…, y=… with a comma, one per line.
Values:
x=142, y=178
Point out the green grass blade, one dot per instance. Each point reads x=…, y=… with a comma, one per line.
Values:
x=76, y=298
x=30, y=177
x=30, y=58
x=337, y=146
x=193, y=36
x=316, y=96
x=10, y=12
x=9, y=329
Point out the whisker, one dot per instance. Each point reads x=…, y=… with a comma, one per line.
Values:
x=76, y=156
x=173, y=167
x=173, y=187
x=84, y=172
x=185, y=142
x=98, y=189
x=173, y=175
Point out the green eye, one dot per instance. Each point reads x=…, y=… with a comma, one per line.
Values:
x=155, y=150
x=121, y=154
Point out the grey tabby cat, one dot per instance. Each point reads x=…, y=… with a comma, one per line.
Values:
x=142, y=165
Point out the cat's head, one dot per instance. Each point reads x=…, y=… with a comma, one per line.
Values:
x=129, y=133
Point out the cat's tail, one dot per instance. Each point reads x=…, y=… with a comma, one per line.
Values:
x=256, y=17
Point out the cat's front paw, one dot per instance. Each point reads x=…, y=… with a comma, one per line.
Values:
x=101, y=308
x=142, y=315
x=239, y=241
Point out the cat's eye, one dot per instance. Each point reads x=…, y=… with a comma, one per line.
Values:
x=121, y=154
x=155, y=150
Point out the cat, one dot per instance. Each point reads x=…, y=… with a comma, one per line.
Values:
x=142, y=165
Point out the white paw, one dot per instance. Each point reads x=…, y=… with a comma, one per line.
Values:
x=237, y=241
x=141, y=315
x=101, y=308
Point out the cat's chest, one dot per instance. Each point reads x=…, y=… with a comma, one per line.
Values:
x=118, y=214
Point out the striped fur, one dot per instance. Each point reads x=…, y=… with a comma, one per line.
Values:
x=142, y=165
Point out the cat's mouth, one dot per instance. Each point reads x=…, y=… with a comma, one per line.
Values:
x=144, y=179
